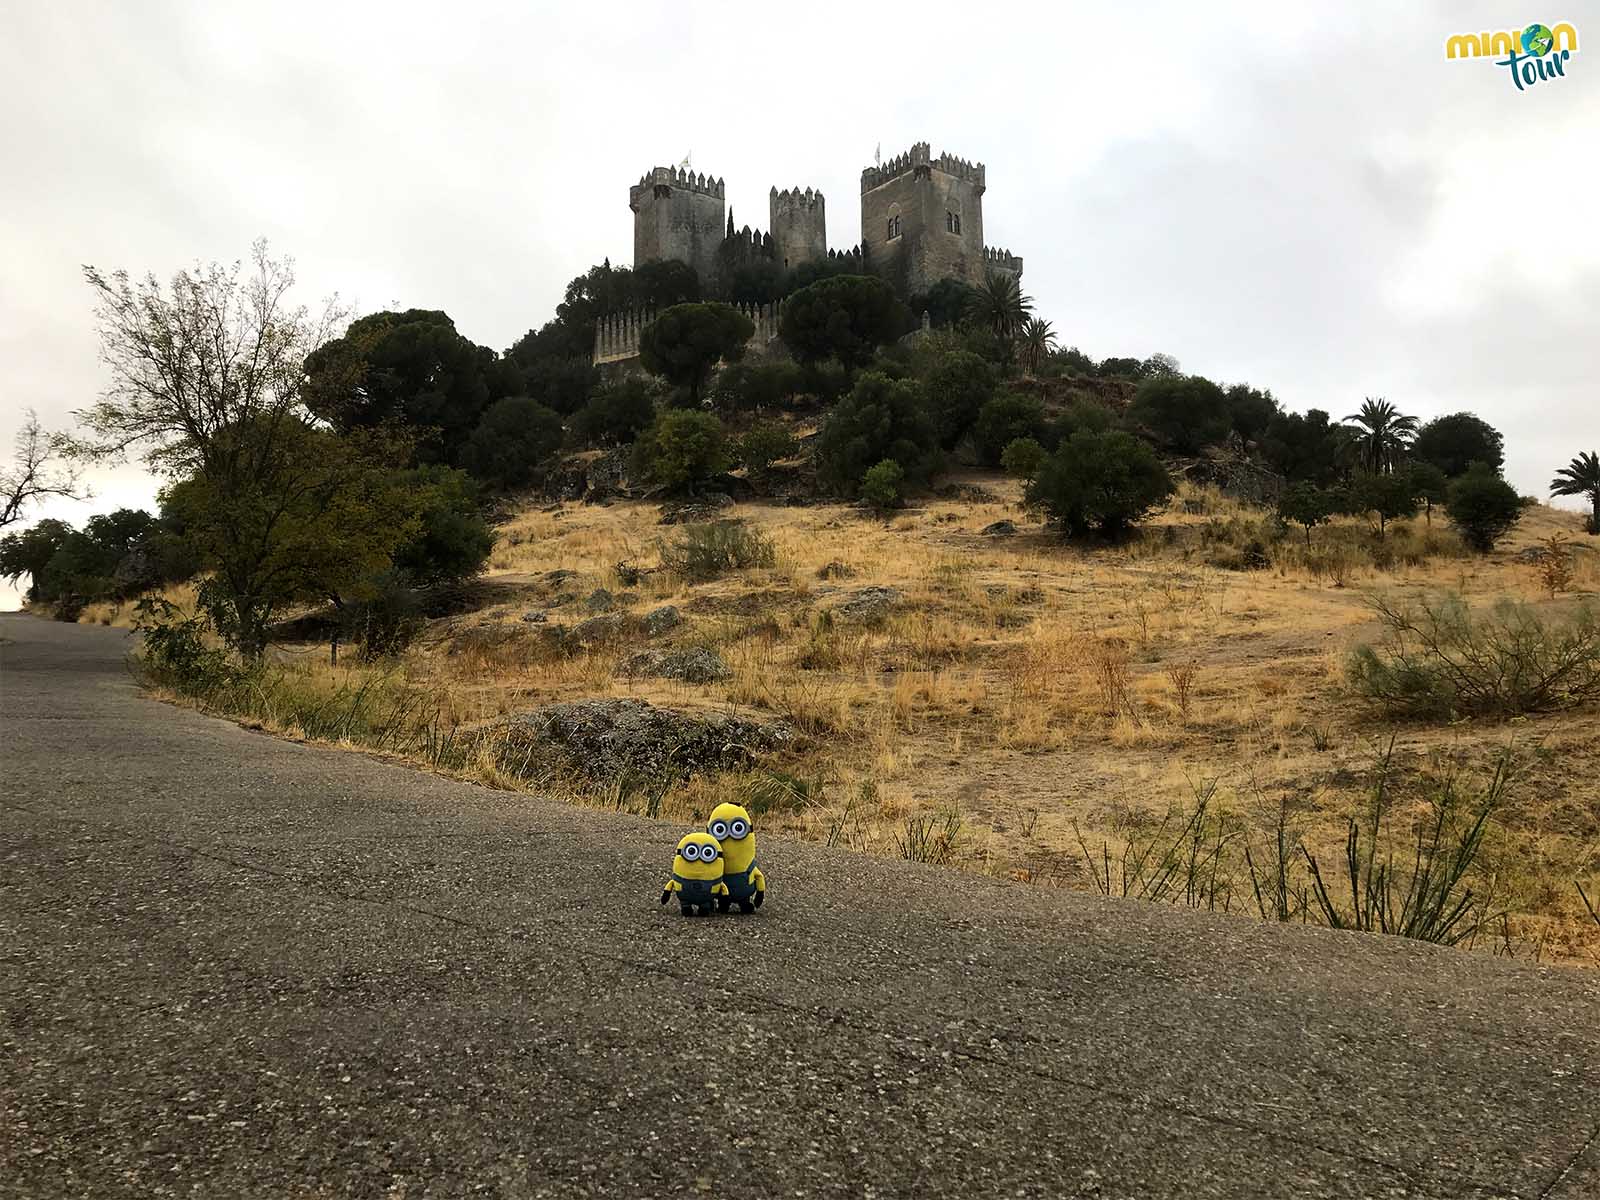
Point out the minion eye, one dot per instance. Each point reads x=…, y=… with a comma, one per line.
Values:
x=691, y=852
x=708, y=852
x=719, y=829
x=738, y=829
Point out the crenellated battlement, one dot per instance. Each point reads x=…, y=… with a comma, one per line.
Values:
x=616, y=336
x=794, y=199
x=921, y=155
x=675, y=179
x=1001, y=260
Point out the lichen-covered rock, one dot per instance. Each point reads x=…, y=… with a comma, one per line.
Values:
x=1000, y=529
x=696, y=665
x=599, y=601
x=607, y=476
x=870, y=604
x=609, y=739
x=608, y=627
x=699, y=511
x=659, y=620
x=836, y=570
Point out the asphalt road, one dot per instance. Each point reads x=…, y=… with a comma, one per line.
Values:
x=233, y=966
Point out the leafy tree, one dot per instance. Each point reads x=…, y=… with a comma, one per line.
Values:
x=1429, y=485
x=1005, y=419
x=1307, y=504
x=35, y=473
x=880, y=418
x=206, y=377
x=1581, y=477
x=1385, y=496
x=452, y=541
x=1082, y=412
x=616, y=413
x=1124, y=368
x=1160, y=366
x=1453, y=443
x=763, y=446
x=1075, y=361
x=409, y=367
x=957, y=387
x=29, y=551
x=660, y=285
x=321, y=517
x=1306, y=447
x=880, y=486
x=683, y=449
x=1023, y=457
x=1483, y=507
x=685, y=341
x=947, y=303
x=1101, y=481
x=1038, y=340
x=1383, y=435
x=513, y=444
x=846, y=318
x=1250, y=412
x=560, y=384
x=747, y=386
x=1184, y=414
x=599, y=291
x=999, y=305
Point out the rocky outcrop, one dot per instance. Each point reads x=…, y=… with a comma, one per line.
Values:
x=612, y=739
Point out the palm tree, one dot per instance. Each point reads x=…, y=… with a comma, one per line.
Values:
x=1384, y=434
x=999, y=304
x=1038, y=339
x=1581, y=477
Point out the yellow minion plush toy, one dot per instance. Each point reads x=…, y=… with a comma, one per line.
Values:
x=743, y=882
x=696, y=875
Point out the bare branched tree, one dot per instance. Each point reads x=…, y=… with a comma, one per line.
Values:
x=213, y=352
x=206, y=379
x=37, y=472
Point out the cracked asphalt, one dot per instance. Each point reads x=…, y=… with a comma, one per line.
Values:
x=235, y=966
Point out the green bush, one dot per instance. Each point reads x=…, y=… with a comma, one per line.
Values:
x=763, y=446
x=956, y=389
x=1440, y=660
x=1386, y=496
x=880, y=418
x=683, y=449
x=454, y=540
x=1023, y=458
x=1483, y=507
x=686, y=341
x=1307, y=504
x=385, y=620
x=615, y=413
x=1184, y=414
x=1103, y=482
x=743, y=387
x=1004, y=420
x=880, y=486
x=702, y=552
x=513, y=444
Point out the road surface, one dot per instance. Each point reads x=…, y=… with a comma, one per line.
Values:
x=232, y=966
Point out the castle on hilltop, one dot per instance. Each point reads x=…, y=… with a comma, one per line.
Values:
x=921, y=222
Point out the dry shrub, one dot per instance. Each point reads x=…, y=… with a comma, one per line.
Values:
x=1182, y=677
x=1555, y=564
x=1111, y=662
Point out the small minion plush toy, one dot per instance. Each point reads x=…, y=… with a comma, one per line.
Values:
x=696, y=875
x=743, y=881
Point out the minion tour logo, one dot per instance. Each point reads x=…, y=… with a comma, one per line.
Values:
x=1533, y=54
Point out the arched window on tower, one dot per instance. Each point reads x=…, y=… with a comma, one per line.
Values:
x=894, y=226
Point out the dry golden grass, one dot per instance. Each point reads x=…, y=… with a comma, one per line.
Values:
x=1030, y=685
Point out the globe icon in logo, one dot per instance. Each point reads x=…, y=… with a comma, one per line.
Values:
x=1537, y=39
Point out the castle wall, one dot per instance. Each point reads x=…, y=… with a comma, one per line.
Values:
x=616, y=337
x=798, y=221
x=677, y=215
x=928, y=196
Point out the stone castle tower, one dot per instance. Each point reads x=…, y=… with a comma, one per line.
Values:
x=922, y=221
x=677, y=215
x=798, y=221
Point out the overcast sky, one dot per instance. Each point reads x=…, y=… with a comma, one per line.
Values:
x=1307, y=197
